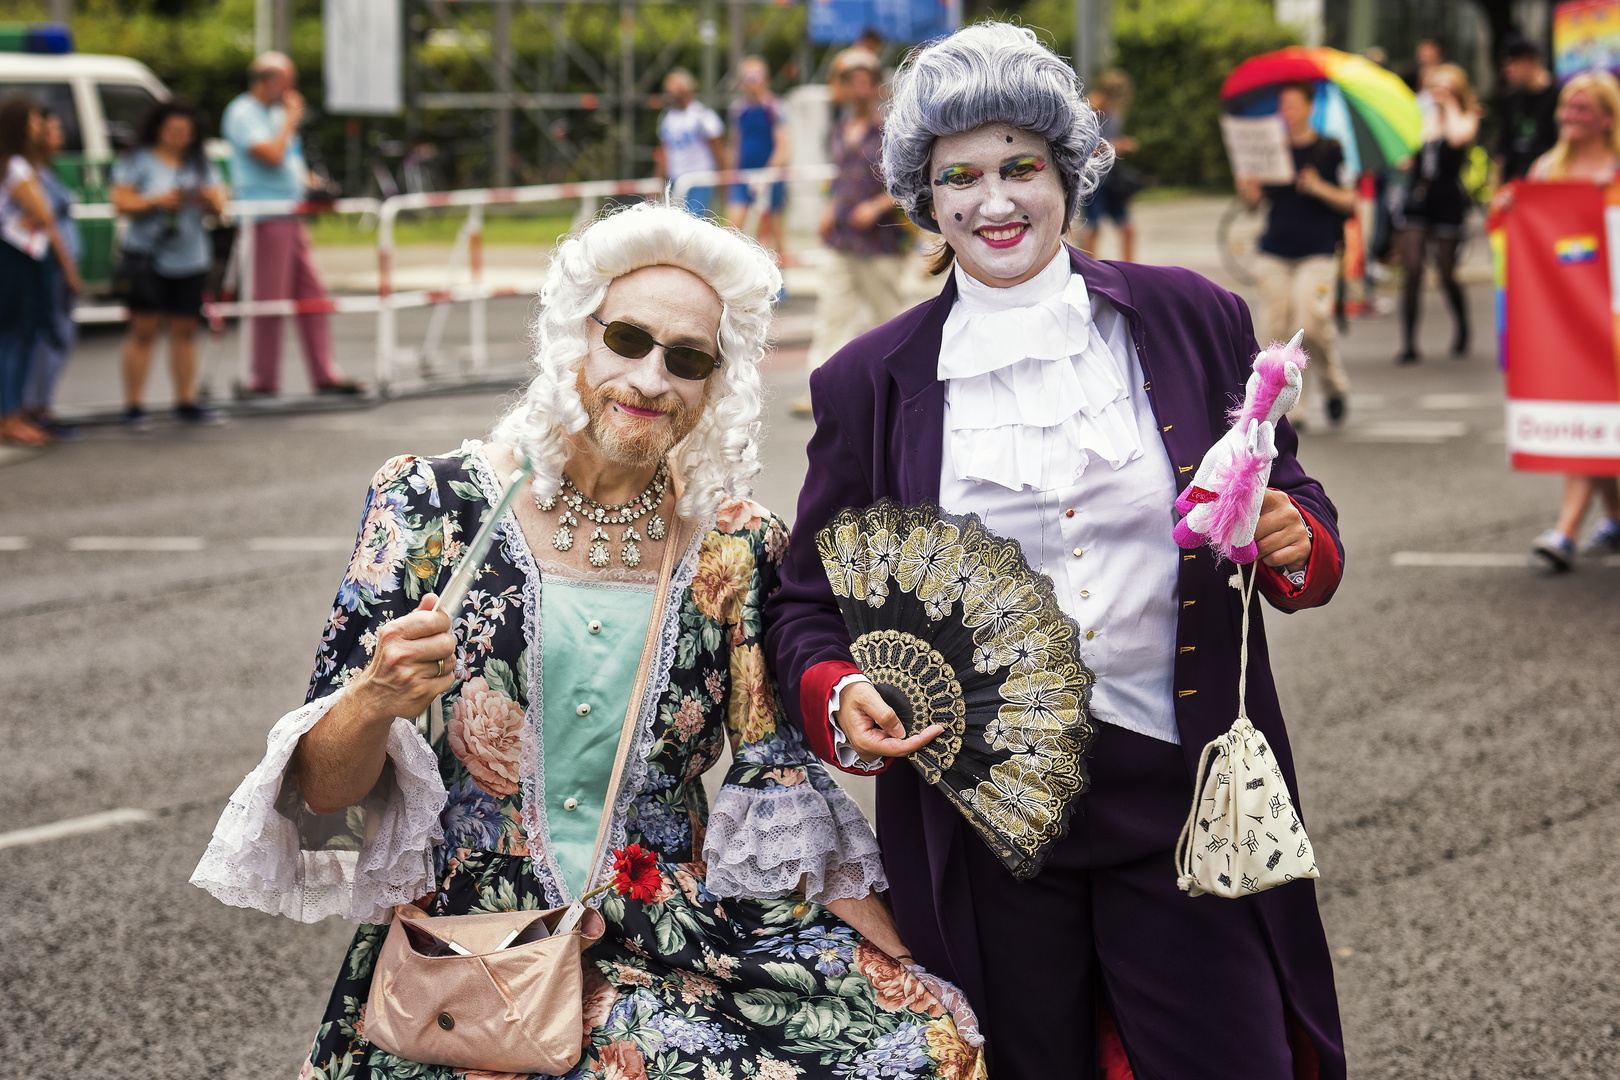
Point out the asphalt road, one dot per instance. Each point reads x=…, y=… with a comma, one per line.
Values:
x=1453, y=727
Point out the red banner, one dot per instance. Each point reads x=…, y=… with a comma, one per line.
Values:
x=1555, y=249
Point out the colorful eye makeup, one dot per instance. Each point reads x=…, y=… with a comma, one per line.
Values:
x=1023, y=168
x=961, y=176
x=958, y=176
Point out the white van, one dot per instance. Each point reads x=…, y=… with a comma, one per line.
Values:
x=100, y=100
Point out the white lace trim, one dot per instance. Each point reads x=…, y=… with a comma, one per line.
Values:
x=663, y=659
x=613, y=575
x=531, y=747
x=255, y=860
x=762, y=841
x=1032, y=390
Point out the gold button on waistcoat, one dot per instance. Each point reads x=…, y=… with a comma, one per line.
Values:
x=1079, y=552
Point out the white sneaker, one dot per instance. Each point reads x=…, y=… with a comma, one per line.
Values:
x=1556, y=549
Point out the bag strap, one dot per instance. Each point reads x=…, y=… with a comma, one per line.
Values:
x=1243, y=645
x=674, y=548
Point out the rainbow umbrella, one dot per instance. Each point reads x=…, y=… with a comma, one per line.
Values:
x=1367, y=108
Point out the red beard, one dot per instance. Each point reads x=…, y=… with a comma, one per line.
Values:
x=632, y=441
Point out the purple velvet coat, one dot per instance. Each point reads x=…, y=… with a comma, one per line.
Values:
x=879, y=411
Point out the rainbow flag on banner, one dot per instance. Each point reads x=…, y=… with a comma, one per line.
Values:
x=1557, y=256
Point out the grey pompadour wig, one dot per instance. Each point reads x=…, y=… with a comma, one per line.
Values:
x=988, y=73
x=720, y=458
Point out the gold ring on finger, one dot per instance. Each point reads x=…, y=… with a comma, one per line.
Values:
x=441, y=667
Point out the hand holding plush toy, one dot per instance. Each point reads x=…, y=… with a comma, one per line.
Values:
x=1223, y=502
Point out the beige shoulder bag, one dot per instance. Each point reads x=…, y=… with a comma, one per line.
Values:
x=503, y=992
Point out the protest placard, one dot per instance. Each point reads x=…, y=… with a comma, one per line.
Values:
x=1257, y=146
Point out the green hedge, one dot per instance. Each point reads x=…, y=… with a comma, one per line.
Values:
x=1178, y=52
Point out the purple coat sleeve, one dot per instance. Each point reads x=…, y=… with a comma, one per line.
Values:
x=803, y=626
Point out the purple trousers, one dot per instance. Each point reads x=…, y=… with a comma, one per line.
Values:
x=1190, y=980
x=283, y=269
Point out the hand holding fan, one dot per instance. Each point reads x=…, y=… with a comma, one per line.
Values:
x=954, y=628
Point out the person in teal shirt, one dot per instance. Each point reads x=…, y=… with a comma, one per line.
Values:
x=267, y=162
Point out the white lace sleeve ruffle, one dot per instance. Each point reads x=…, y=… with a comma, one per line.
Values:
x=1033, y=390
x=761, y=841
x=256, y=860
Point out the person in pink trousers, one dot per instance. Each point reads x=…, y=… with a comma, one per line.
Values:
x=267, y=162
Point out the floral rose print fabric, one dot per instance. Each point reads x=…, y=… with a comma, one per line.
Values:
x=685, y=985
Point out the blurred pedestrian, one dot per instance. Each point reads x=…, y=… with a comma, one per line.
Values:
x=28, y=238
x=1112, y=199
x=860, y=282
x=759, y=138
x=166, y=187
x=1297, y=265
x=1588, y=149
x=51, y=352
x=1433, y=207
x=690, y=139
x=1527, y=114
x=267, y=162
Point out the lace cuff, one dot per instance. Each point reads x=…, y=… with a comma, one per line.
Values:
x=271, y=853
x=761, y=841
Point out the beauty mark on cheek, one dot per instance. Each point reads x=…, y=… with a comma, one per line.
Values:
x=958, y=176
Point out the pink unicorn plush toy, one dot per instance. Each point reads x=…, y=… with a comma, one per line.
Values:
x=1223, y=502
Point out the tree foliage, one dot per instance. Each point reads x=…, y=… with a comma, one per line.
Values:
x=1177, y=52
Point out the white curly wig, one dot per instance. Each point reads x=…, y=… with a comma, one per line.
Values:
x=988, y=73
x=720, y=457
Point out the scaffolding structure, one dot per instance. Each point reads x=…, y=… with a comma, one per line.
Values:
x=541, y=81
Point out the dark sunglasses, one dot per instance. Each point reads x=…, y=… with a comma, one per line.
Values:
x=632, y=343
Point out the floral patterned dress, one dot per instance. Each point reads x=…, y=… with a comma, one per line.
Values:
x=728, y=972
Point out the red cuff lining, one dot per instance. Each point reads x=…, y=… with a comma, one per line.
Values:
x=1321, y=570
x=815, y=693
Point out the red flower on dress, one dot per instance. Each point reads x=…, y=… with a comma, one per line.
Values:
x=635, y=873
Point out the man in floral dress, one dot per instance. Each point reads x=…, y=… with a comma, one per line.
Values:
x=629, y=586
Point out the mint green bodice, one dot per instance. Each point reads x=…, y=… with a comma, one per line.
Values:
x=592, y=634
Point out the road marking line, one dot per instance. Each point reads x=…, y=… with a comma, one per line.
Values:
x=135, y=543
x=1446, y=402
x=1460, y=558
x=13, y=543
x=57, y=830
x=301, y=543
x=1413, y=431
x=1491, y=559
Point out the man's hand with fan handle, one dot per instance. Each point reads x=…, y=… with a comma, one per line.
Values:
x=872, y=727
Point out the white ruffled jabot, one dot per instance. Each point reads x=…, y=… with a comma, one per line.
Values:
x=1030, y=385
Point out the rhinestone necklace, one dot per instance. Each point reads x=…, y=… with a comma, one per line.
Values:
x=576, y=505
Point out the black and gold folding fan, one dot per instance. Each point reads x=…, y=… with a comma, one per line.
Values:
x=954, y=628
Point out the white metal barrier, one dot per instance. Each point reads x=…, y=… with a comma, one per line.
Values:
x=470, y=245
x=387, y=302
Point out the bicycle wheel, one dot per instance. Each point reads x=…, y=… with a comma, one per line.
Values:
x=1237, y=239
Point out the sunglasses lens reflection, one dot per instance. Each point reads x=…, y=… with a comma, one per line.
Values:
x=688, y=363
x=628, y=341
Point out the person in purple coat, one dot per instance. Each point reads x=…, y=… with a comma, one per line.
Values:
x=1067, y=402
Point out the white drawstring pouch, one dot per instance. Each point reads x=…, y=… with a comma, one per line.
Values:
x=1243, y=834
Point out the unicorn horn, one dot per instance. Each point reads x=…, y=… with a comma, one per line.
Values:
x=1299, y=335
